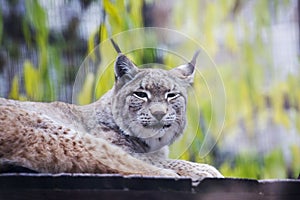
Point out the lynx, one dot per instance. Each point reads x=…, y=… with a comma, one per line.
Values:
x=127, y=131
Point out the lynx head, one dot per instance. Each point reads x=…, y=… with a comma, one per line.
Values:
x=150, y=104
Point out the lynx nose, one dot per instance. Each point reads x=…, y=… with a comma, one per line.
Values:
x=158, y=111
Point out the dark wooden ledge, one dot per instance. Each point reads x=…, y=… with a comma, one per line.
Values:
x=91, y=186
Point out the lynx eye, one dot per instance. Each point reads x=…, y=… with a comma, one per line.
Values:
x=141, y=95
x=171, y=96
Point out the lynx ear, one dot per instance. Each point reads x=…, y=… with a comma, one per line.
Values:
x=124, y=67
x=187, y=71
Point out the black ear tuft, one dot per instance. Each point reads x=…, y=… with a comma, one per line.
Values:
x=117, y=48
x=124, y=66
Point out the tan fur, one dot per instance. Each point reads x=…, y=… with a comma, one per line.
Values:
x=29, y=139
x=106, y=136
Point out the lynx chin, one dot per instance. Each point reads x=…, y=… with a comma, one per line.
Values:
x=127, y=131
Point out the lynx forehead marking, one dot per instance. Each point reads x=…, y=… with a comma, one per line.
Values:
x=156, y=81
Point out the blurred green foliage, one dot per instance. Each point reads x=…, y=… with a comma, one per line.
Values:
x=248, y=102
x=38, y=82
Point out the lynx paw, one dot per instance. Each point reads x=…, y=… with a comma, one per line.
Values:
x=195, y=171
x=203, y=171
x=168, y=173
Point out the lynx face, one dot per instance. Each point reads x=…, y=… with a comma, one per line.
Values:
x=150, y=104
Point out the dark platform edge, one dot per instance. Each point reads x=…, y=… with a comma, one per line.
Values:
x=33, y=181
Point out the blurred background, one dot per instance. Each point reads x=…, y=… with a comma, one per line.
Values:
x=254, y=44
